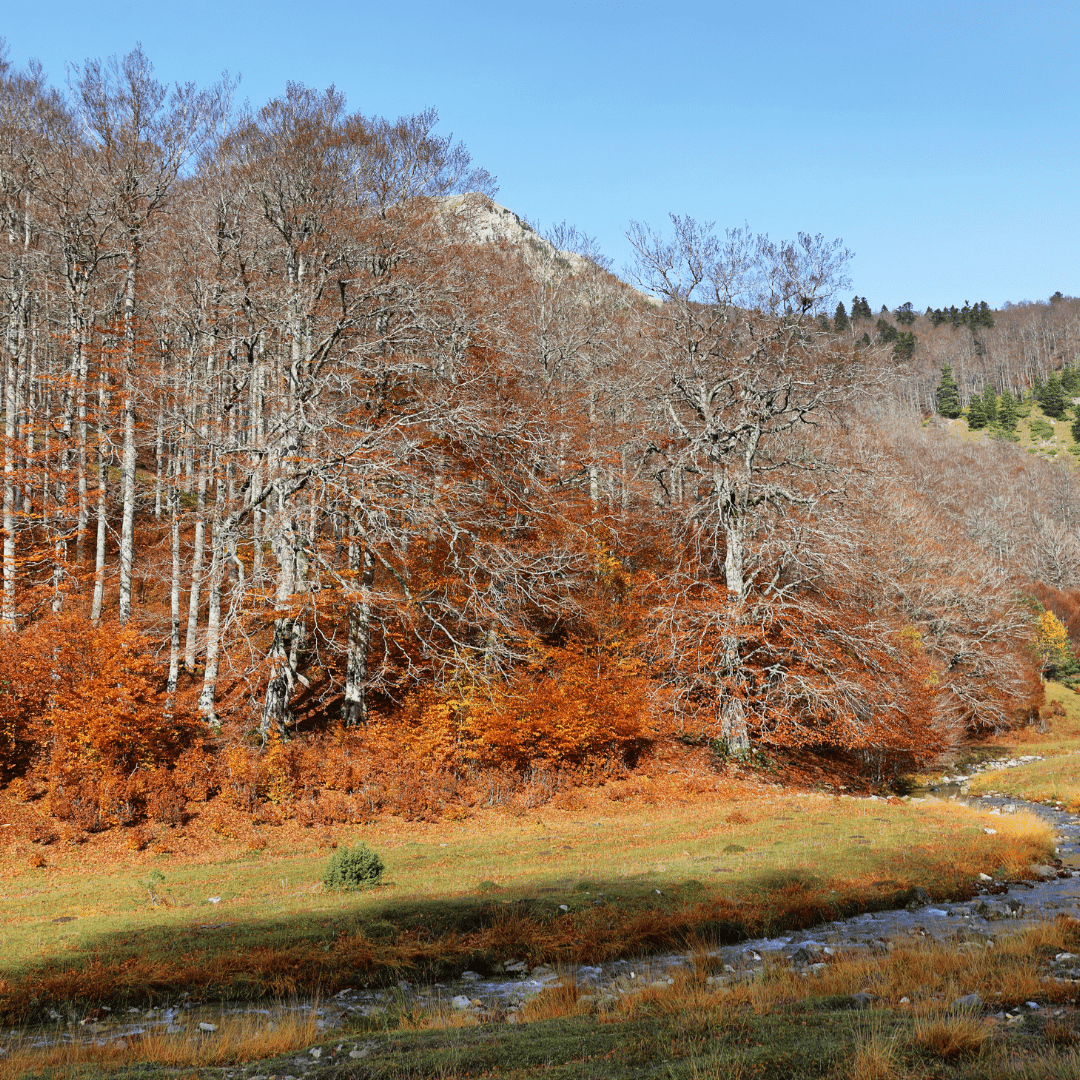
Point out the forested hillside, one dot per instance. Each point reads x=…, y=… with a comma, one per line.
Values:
x=322, y=496
x=1011, y=351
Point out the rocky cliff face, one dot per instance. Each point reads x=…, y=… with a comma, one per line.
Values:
x=488, y=222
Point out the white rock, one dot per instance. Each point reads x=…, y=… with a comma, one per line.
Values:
x=461, y=1002
x=968, y=1001
x=204, y=1026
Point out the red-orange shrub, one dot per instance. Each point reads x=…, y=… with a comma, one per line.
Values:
x=92, y=698
x=570, y=704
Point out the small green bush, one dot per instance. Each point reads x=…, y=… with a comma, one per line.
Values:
x=353, y=868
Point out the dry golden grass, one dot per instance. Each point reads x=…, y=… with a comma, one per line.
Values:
x=726, y=1068
x=690, y=1017
x=929, y=975
x=932, y=976
x=437, y=1018
x=555, y=1003
x=238, y=1039
x=1059, y=1033
x=875, y=1051
x=1045, y=1066
x=1052, y=781
x=951, y=1037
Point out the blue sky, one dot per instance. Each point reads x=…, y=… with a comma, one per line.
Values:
x=941, y=141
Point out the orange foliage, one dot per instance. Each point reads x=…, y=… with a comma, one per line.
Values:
x=569, y=704
x=1064, y=603
x=91, y=698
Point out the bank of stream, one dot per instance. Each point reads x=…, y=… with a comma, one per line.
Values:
x=997, y=906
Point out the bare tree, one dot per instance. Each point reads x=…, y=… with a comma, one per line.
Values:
x=143, y=136
x=738, y=364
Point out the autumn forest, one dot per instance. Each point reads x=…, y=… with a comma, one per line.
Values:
x=326, y=497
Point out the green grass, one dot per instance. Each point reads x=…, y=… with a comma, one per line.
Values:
x=1057, y=779
x=1052, y=781
x=1035, y=432
x=473, y=893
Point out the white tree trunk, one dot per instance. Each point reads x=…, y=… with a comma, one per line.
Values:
x=127, y=464
x=354, y=708
x=191, y=640
x=174, y=592
x=207, y=698
x=102, y=522
x=7, y=616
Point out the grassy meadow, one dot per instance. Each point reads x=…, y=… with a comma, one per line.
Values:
x=1053, y=780
x=1035, y=432
x=230, y=911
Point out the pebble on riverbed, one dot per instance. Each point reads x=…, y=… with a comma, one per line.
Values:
x=966, y=1003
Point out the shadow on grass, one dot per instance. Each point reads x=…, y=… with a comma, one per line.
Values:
x=377, y=942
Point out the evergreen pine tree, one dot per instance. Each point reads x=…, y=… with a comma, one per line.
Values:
x=1007, y=412
x=948, y=394
x=1075, y=427
x=976, y=414
x=905, y=314
x=1052, y=398
x=886, y=332
x=1070, y=381
x=904, y=349
x=990, y=403
x=840, y=320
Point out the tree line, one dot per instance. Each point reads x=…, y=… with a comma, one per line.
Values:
x=291, y=453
